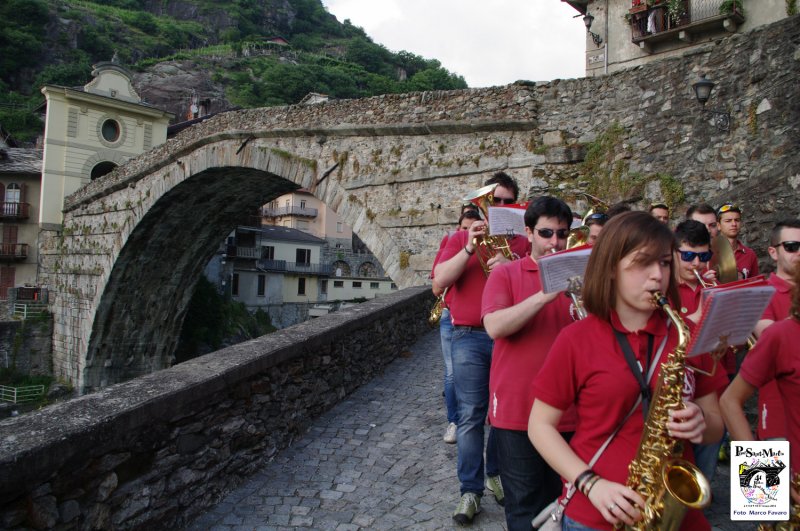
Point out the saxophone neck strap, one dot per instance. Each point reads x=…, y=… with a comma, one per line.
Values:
x=636, y=368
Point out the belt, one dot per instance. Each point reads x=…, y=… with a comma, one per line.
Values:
x=470, y=328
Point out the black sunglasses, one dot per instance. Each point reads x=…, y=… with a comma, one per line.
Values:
x=790, y=247
x=688, y=256
x=503, y=200
x=597, y=216
x=548, y=233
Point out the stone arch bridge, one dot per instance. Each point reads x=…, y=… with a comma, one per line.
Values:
x=123, y=265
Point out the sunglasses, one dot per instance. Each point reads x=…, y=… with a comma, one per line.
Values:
x=789, y=247
x=659, y=205
x=728, y=207
x=503, y=200
x=548, y=233
x=689, y=256
x=597, y=216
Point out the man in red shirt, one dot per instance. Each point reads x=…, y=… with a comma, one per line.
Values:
x=524, y=322
x=693, y=254
x=468, y=217
x=460, y=270
x=784, y=249
x=774, y=359
x=729, y=217
x=660, y=211
x=705, y=214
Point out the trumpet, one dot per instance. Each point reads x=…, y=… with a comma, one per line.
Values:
x=573, y=291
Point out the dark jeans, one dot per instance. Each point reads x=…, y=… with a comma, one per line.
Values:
x=528, y=481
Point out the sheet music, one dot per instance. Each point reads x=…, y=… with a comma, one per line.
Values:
x=507, y=221
x=557, y=269
x=729, y=317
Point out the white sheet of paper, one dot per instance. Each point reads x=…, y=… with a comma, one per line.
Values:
x=556, y=269
x=505, y=221
x=731, y=316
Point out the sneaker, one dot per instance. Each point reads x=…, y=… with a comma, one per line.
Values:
x=450, y=433
x=468, y=507
x=496, y=487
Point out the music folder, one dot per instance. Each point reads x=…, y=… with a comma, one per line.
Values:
x=508, y=220
x=558, y=269
x=729, y=314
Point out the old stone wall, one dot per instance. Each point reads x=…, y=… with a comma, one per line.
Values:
x=394, y=167
x=26, y=345
x=151, y=453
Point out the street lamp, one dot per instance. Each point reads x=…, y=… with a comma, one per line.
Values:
x=702, y=91
x=587, y=21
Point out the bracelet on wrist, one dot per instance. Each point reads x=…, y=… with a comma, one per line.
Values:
x=468, y=251
x=589, y=484
x=582, y=478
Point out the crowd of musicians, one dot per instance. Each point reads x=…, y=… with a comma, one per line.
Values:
x=566, y=395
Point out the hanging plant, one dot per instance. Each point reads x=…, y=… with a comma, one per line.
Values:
x=675, y=9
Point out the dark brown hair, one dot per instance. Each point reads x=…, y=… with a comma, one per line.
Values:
x=622, y=235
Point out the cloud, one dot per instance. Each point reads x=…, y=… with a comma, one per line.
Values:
x=489, y=43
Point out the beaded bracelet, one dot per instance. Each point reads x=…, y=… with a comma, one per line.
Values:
x=467, y=251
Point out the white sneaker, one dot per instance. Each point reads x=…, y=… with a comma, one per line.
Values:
x=450, y=433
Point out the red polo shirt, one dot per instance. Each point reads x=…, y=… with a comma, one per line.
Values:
x=775, y=359
x=771, y=413
x=447, y=296
x=586, y=367
x=746, y=260
x=780, y=304
x=465, y=305
x=516, y=359
x=690, y=298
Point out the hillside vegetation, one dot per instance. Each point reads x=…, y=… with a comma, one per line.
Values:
x=57, y=41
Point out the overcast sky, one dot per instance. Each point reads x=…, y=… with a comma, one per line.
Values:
x=492, y=42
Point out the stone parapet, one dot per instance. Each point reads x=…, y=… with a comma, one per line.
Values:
x=152, y=452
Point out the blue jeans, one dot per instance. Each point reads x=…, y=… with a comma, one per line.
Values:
x=472, y=358
x=706, y=457
x=446, y=334
x=528, y=481
x=568, y=524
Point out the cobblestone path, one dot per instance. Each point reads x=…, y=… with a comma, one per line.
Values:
x=375, y=461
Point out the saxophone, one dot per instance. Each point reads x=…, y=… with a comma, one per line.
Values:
x=669, y=484
x=793, y=523
x=436, y=311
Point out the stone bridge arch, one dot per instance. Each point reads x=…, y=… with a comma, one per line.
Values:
x=133, y=242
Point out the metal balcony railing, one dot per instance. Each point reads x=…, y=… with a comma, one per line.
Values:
x=276, y=212
x=654, y=21
x=294, y=267
x=13, y=251
x=14, y=210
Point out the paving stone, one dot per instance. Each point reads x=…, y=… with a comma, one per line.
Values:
x=376, y=461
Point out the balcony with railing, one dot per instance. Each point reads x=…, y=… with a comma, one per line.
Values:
x=655, y=21
x=282, y=266
x=13, y=251
x=276, y=212
x=14, y=210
